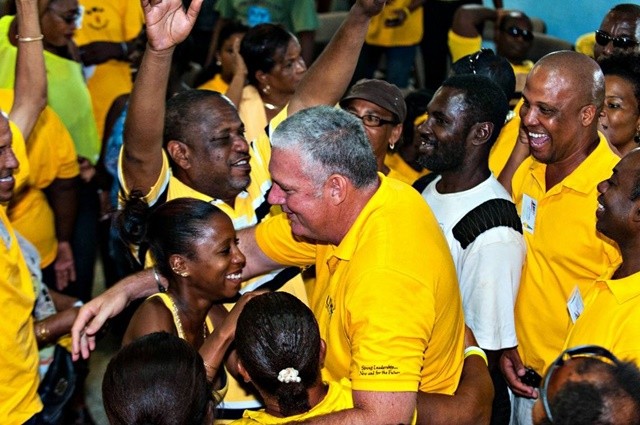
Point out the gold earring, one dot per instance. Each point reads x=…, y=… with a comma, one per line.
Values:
x=266, y=89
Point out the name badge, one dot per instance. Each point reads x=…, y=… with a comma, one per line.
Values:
x=529, y=210
x=575, y=304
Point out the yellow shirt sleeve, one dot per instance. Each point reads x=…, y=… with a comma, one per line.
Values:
x=460, y=46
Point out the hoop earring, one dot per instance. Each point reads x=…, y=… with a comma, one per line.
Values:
x=391, y=146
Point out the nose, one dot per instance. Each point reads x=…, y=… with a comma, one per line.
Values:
x=603, y=186
x=237, y=255
x=276, y=195
x=240, y=144
x=527, y=116
x=301, y=66
x=11, y=162
x=424, y=129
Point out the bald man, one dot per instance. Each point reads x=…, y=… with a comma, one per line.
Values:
x=555, y=195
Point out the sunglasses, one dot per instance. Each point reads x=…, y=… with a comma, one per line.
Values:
x=580, y=351
x=72, y=17
x=514, y=32
x=373, y=120
x=622, y=42
x=473, y=59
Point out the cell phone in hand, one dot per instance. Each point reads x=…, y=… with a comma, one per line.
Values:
x=531, y=378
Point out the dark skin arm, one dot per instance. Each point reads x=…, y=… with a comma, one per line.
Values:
x=102, y=51
x=307, y=45
x=62, y=195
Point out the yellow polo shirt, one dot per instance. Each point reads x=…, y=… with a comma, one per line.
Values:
x=564, y=251
x=386, y=298
x=338, y=398
x=18, y=350
x=29, y=210
x=400, y=170
x=611, y=317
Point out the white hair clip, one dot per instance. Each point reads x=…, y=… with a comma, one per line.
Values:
x=288, y=375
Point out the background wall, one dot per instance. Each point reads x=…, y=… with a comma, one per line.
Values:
x=565, y=19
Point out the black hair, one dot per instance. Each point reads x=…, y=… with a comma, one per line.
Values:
x=485, y=101
x=626, y=65
x=627, y=8
x=417, y=102
x=184, y=113
x=276, y=331
x=168, y=229
x=597, y=401
x=495, y=67
x=157, y=379
x=260, y=46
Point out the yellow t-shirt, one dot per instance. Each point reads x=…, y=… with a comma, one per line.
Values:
x=29, y=210
x=407, y=34
x=115, y=21
x=18, y=350
x=338, y=398
x=393, y=254
x=400, y=170
x=564, y=251
x=585, y=44
x=611, y=317
x=23, y=173
x=216, y=84
x=506, y=141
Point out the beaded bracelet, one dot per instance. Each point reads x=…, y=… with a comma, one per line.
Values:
x=28, y=39
x=475, y=351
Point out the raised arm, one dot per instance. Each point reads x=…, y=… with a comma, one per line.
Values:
x=31, y=79
x=167, y=24
x=468, y=19
x=326, y=80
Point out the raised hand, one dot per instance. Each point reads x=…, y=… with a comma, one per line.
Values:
x=167, y=23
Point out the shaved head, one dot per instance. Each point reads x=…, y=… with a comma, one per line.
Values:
x=580, y=71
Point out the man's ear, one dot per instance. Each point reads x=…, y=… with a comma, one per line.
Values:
x=481, y=133
x=588, y=113
x=243, y=372
x=337, y=185
x=323, y=352
x=636, y=212
x=179, y=153
x=396, y=134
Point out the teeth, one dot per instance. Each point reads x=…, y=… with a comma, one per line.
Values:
x=535, y=135
x=234, y=276
x=600, y=207
x=6, y=179
x=243, y=162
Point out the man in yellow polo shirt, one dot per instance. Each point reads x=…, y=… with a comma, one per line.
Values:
x=615, y=297
x=385, y=295
x=555, y=194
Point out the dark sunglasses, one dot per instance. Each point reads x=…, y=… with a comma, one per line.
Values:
x=474, y=58
x=519, y=32
x=622, y=42
x=580, y=351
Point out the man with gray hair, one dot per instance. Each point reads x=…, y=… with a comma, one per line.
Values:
x=388, y=308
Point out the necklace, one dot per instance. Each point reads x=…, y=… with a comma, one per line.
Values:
x=181, y=333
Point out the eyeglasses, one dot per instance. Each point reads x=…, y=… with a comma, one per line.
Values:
x=519, y=32
x=473, y=59
x=71, y=17
x=622, y=42
x=373, y=120
x=580, y=351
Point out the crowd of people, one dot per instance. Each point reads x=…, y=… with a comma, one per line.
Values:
x=307, y=244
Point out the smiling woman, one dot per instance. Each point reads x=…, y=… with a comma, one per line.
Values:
x=193, y=245
x=620, y=119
